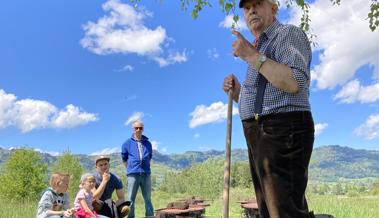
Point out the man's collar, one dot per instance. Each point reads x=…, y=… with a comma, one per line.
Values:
x=142, y=138
x=271, y=30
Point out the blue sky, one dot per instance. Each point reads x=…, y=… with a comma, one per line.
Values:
x=74, y=74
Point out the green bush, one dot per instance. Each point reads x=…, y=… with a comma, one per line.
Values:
x=207, y=179
x=201, y=180
x=24, y=175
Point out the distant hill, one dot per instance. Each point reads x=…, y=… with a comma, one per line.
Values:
x=328, y=163
x=186, y=159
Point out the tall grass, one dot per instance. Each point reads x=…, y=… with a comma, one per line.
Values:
x=338, y=206
x=13, y=209
x=345, y=207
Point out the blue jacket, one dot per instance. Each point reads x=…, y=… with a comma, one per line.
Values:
x=130, y=154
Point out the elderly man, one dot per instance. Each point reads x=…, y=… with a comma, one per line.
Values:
x=106, y=184
x=275, y=110
x=136, y=153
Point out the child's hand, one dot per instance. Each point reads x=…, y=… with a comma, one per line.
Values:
x=72, y=211
x=67, y=213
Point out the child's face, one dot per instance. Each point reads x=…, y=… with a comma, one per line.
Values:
x=63, y=185
x=89, y=183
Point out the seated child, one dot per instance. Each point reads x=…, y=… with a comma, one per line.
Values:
x=54, y=202
x=84, y=198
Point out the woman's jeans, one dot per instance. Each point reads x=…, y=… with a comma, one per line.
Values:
x=134, y=182
x=280, y=147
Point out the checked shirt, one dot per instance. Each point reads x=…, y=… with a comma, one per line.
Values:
x=285, y=44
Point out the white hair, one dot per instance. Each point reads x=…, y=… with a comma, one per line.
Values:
x=137, y=121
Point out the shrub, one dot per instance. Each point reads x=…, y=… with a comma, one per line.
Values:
x=24, y=175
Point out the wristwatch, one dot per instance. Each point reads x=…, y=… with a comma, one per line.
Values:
x=261, y=59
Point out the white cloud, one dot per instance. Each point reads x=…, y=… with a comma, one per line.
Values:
x=213, y=54
x=127, y=68
x=155, y=145
x=122, y=30
x=30, y=114
x=71, y=117
x=215, y=113
x=344, y=39
x=6, y=109
x=163, y=150
x=369, y=129
x=173, y=57
x=52, y=153
x=135, y=116
x=196, y=136
x=107, y=151
x=319, y=128
x=353, y=92
x=228, y=22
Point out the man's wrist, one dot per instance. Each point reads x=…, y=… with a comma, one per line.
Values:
x=252, y=59
x=261, y=60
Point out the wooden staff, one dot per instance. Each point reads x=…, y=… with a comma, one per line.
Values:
x=225, y=210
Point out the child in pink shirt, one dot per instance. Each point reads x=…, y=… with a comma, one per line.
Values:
x=84, y=198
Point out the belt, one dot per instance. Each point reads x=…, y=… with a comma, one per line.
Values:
x=288, y=115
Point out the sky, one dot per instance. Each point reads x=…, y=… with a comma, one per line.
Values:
x=75, y=74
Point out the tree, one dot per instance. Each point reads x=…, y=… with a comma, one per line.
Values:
x=229, y=6
x=68, y=163
x=240, y=175
x=374, y=189
x=24, y=175
x=338, y=189
x=203, y=180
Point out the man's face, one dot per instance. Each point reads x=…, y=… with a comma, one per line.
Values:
x=259, y=14
x=102, y=166
x=138, y=129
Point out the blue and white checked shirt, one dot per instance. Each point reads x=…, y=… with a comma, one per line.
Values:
x=289, y=45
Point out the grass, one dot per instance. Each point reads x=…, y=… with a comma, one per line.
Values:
x=345, y=207
x=338, y=206
x=13, y=209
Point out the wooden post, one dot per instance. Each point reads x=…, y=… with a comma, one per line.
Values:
x=225, y=210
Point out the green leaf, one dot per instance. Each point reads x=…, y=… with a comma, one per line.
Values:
x=300, y=2
x=228, y=7
x=235, y=18
x=221, y=3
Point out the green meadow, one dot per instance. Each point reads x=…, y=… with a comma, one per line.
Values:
x=338, y=206
x=24, y=177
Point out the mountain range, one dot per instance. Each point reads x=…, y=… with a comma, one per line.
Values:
x=328, y=163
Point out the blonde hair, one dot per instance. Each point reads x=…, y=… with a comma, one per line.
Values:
x=85, y=177
x=57, y=178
